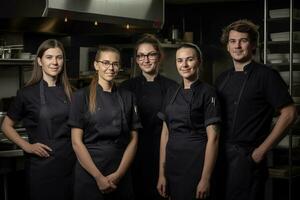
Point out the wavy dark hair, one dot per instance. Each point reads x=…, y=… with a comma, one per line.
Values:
x=243, y=26
x=37, y=73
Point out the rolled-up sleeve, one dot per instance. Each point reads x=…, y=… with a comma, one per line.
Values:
x=212, y=112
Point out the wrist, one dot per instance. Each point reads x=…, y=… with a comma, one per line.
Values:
x=205, y=178
x=119, y=173
x=97, y=175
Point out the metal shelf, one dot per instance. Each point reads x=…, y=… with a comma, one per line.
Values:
x=16, y=62
x=291, y=169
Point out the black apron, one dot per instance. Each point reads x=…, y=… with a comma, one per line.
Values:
x=105, y=153
x=238, y=176
x=146, y=163
x=185, y=153
x=52, y=177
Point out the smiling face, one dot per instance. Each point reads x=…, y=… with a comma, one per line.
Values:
x=107, y=65
x=51, y=62
x=148, y=58
x=187, y=63
x=240, y=47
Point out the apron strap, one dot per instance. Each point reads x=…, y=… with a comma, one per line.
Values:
x=44, y=111
x=175, y=95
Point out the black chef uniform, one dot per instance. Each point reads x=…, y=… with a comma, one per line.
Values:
x=187, y=115
x=106, y=134
x=149, y=95
x=248, y=100
x=44, y=111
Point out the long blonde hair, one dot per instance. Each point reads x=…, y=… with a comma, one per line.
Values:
x=94, y=82
x=37, y=73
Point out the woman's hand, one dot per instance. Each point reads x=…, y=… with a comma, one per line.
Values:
x=104, y=185
x=38, y=149
x=162, y=186
x=114, y=178
x=203, y=189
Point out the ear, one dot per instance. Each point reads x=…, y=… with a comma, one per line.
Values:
x=96, y=66
x=39, y=61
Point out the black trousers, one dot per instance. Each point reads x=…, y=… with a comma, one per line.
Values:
x=237, y=176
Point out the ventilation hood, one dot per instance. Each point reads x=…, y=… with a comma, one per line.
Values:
x=142, y=13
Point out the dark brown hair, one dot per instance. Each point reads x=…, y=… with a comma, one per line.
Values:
x=243, y=26
x=192, y=46
x=94, y=82
x=149, y=39
x=37, y=74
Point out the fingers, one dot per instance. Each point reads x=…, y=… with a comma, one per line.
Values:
x=45, y=146
x=110, y=189
x=112, y=185
x=40, y=150
x=202, y=195
x=162, y=190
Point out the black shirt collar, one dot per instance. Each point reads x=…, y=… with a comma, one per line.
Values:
x=247, y=68
x=57, y=84
x=100, y=89
x=194, y=84
x=156, y=78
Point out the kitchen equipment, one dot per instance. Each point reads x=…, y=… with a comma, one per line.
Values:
x=296, y=57
x=286, y=76
x=284, y=12
x=174, y=34
x=276, y=58
x=2, y=115
x=284, y=143
x=146, y=13
x=284, y=36
x=24, y=55
x=188, y=37
x=5, y=52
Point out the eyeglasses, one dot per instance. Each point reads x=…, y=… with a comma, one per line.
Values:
x=150, y=56
x=107, y=64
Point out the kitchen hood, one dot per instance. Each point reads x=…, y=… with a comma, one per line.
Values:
x=141, y=13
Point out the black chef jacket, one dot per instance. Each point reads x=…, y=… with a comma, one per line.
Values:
x=149, y=95
x=125, y=114
x=26, y=107
x=248, y=101
x=204, y=107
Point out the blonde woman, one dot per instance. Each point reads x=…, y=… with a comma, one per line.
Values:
x=104, y=122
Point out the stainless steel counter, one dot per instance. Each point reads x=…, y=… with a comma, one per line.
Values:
x=11, y=153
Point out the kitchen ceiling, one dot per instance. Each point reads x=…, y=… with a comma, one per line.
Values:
x=199, y=1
